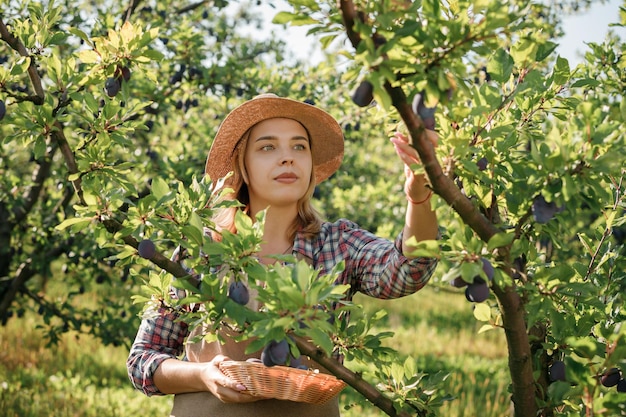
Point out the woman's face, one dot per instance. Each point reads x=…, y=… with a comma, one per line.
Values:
x=278, y=163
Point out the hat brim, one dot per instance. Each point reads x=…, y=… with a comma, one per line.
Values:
x=325, y=134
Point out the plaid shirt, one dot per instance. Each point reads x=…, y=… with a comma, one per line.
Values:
x=373, y=266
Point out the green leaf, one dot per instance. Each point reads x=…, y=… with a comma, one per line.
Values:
x=193, y=234
x=397, y=372
x=500, y=240
x=243, y=222
x=80, y=34
x=321, y=339
x=39, y=150
x=586, y=82
x=469, y=270
x=294, y=19
x=586, y=347
x=500, y=66
x=21, y=66
x=70, y=222
x=486, y=327
x=159, y=188
x=524, y=50
x=284, y=17
x=88, y=56
x=424, y=248
x=559, y=391
x=561, y=71
x=545, y=49
x=482, y=312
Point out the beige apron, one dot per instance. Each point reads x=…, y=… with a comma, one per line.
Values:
x=204, y=404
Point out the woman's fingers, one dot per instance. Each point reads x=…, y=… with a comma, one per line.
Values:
x=431, y=135
x=224, y=388
x=406, y=152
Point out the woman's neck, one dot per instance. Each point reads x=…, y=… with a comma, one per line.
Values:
x=276, y=239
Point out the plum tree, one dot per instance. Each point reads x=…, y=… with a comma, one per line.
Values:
x=546, y=128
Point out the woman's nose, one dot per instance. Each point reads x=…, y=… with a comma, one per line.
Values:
x=286, y=158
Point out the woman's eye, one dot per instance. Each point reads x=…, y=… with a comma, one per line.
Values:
x=300, y=147
x=267, y=148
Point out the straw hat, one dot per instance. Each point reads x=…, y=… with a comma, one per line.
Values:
x=325, y=133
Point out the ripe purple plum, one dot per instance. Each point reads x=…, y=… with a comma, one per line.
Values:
x=427, y=114
x=459, y=282
x=238, y=292
x=544, y=211
x=621, y=385
x=557, y=371
x=364, y=94
x=125, y=73
x=482, y=163
x=112, y=86
x=610, y=377
x=477, y=292
x=488, y=268
x=146, y=249
x=275, y=353
x=3, y=109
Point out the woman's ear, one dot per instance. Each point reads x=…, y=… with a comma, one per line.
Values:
x=244, y=176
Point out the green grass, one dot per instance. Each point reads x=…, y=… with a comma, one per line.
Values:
x=81, y=378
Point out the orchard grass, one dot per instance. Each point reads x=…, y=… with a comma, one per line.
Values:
x=81, y=377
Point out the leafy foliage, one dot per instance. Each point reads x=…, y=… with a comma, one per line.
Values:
x=86, y=174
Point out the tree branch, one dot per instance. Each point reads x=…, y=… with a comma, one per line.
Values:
x=23, y=273
x=31, y=195
x=351, y=378
x=349, y=16
x=18, y=46
x=158, y=259
x=68, y=155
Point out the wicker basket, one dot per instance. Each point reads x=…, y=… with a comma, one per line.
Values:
x=282, y=382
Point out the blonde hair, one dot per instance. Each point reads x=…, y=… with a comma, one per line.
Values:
x=308, y=221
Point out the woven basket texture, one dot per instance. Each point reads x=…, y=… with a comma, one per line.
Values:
x=282, y=382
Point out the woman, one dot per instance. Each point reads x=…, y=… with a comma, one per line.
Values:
x=278, y=150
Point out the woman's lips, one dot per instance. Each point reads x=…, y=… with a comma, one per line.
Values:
x=287, y=178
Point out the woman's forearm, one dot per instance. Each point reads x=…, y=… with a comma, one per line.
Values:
x=174, y=376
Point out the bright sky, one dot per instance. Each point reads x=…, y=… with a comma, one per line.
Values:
x=590, y=27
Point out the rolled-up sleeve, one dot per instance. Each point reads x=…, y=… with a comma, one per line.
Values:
x=373, y=266
x=160, y=337
x=384, y=272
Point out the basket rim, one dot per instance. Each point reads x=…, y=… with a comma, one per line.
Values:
x=325, y=386
x=289, y=369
